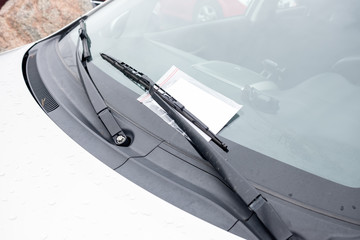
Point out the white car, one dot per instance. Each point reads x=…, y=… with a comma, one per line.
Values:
x=51, y=188
x=82, y=113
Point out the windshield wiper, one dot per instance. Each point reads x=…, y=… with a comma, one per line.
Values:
x=97, y=101
x=253, y=199
x=156, y=91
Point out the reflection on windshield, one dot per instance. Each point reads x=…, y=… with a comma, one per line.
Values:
x=292, y=64
x=200, y=11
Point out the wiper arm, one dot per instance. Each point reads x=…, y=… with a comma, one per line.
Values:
x=86, y=42
x=97, y=101
x=147, y=84
x=253, y=199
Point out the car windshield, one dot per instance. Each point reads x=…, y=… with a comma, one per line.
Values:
x=292, y=64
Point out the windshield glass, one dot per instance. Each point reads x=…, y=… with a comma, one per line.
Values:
x=292, y=64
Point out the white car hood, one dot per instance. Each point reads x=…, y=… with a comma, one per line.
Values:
x=51, y=188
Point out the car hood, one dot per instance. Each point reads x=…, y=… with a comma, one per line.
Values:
x=51, y=188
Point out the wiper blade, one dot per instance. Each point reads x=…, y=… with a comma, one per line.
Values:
x=95, y=97
x=244, y=190
x=147, y=84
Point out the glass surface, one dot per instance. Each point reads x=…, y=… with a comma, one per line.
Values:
x=294, y=65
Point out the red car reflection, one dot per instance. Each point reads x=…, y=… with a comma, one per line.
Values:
x=198, y=10
x=202, y=10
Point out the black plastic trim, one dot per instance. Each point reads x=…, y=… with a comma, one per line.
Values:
x=40, y=92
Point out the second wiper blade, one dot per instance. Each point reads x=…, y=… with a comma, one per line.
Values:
x=147, y=84
x=264, y=211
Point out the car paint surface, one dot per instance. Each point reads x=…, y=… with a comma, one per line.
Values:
x=51, y=188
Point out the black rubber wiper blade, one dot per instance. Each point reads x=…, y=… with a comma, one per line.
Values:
x=138, y=78
x=147, y=84
x=95, y=97
x=243, y=189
